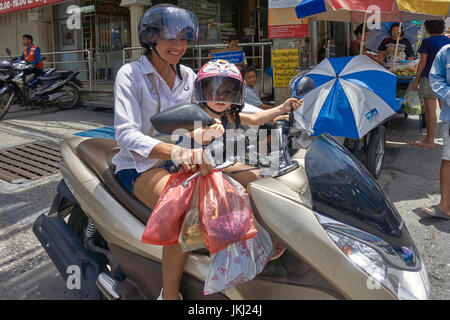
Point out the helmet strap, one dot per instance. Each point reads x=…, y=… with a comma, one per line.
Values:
x=177, y=66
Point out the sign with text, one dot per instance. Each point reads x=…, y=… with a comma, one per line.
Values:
x=275, y=4
x=8, y=6
x=284, y=64
x=283, y=23
x=292, y=31
x=233, y=55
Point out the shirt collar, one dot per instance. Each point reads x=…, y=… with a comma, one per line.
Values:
x=147, y=67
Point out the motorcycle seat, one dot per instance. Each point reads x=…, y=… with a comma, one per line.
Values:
x=53, y=77
x=97, y=153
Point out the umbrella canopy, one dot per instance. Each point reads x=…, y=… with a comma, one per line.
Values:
x=351, y=96
x=352, y=11
x=376, y=36
x=435, y=7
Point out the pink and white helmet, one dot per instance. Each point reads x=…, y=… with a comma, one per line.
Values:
x=219, y=81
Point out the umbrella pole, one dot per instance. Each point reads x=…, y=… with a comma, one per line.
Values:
x=363, y=33
x=396, y=46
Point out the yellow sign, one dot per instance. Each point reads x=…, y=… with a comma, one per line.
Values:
x=284, y=16
x=284, y=64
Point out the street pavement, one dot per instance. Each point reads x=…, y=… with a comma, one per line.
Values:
x=410, y=178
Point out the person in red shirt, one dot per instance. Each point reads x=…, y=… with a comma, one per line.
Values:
x=356, y=44
x=32, y=53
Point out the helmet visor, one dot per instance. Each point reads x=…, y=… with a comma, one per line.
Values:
x=219, y=89
x=180, y=24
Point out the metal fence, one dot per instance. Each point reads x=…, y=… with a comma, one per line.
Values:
x=197, y=55
x=52, y=61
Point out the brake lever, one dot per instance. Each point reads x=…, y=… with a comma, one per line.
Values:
x=222, y=166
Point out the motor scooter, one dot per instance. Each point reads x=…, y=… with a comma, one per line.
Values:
x=344, y=237
x=23, y=83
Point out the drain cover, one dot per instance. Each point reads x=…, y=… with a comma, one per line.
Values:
x=29, y=162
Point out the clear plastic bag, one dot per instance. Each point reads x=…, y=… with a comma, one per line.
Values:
x=239, y=262
x=412, y=102
x=191, y=235
x=225, y=217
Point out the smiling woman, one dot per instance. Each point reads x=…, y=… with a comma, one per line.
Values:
x=155, y=83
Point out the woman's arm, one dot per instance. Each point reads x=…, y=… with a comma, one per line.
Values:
x=264, y=116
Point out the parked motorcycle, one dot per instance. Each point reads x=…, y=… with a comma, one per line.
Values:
x=344, y=237
x=22, y=83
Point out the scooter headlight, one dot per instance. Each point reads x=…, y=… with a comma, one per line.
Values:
x=19, y=66
x=369, y=253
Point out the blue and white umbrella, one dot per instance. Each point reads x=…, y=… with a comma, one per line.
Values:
x=351, y=96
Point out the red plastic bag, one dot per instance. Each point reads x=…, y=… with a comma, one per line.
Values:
x=164, y=225
x=224, y=215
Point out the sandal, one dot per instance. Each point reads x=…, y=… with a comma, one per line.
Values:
x=436, y=212
x=420, y=144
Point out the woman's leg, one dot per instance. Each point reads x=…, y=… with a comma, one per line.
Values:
x=245, y=177
x=148, y=188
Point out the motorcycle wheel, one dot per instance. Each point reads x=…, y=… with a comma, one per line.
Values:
x=70, y=99
x=375, y=152
x=6, y=100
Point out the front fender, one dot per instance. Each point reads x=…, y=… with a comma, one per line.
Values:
x=6, y=88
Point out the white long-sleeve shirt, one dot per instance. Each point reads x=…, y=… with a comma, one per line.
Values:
x=135, y=102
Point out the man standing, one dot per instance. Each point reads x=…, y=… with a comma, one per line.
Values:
x=32, y=53
x=440, y=83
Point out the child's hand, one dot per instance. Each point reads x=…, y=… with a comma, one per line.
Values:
x=206, y=135
x=291, y=102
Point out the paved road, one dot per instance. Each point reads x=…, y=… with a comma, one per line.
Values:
x=410, y=178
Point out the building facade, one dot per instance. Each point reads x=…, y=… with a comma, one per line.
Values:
x=106, y=27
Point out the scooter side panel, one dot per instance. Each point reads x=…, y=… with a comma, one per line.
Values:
x=299, y=229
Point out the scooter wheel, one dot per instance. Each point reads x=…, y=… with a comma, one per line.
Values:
x=70, y=99
x=6, y=100
x=375, y=151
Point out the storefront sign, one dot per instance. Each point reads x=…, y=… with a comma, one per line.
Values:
x=275, y=4
x=233, y=55
x=292, y=31
x=284, y=64
x=8, y=6
x=283, y=23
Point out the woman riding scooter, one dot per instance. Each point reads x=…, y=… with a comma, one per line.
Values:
x=143, y=88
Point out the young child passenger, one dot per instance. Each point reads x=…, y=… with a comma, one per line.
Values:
x=219, y=90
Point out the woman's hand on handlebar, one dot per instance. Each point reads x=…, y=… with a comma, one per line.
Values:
x=193, y=160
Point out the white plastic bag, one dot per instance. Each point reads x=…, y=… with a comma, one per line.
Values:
x=239, y=262
x=412, y=102
x=190, y=237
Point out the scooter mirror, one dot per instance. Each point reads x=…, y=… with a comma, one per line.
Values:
x=305, y=85
x=181, y=117
x=8, y=52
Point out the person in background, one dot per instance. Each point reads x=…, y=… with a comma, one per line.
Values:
x=32, y=53
x=428, y=50
x=251, y=94
x=440, y=83
x=233, y=42
x=355, y=46
x=387, y=47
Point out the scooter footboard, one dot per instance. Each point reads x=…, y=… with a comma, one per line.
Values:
x=69, y=256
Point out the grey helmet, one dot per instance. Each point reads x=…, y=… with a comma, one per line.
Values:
x=166, y=21
x=5, y=65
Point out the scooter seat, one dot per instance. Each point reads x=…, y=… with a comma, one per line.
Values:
x=97, y=153
x=52, y=77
